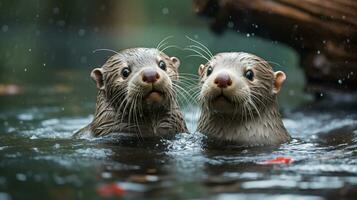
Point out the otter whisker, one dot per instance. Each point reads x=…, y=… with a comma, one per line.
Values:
x=136, y=121
x=200, y=48
x=180, y=89
x=186, y=84
x=188, y=79
x=260, y=97
x=199, y=43
x=189, y=74
x=112, y=101
x=125, y=110
x=170, y=46
x=197, y=53
x=162, y=41
x=110, y=50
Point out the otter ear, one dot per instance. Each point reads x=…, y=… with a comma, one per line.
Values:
x=279, y=78
x=201, y=69
x=176, y=62
x=97, y=76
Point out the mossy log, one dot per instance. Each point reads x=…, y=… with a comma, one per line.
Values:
x=323, y=32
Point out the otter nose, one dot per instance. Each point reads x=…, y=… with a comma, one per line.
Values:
x=150, y=75
x=223, y=80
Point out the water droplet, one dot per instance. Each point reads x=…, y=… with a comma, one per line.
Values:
x=21, y=177
x=55, y=10
x=25, y=69
x=44, y=64
x=165, y=11
x=30, y=50
x=230, y=24
x=106, y=175
x=61, y=23
x=83, y=59
x=5, y=28
x=5, y=196
x=81, y=32
x=33, y=137
x=339, y=81
x=291, y=92
x=248, y=35
x=321, y=94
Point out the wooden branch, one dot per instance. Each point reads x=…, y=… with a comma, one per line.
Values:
x=324, y=32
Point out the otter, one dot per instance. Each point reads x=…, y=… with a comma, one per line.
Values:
x=238, y=99
x=136, y=95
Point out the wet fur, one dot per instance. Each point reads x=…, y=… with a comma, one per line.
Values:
x=120, y=106
x=254, y=118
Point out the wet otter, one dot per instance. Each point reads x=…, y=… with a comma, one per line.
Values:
x=238, y=97
x=136, y=95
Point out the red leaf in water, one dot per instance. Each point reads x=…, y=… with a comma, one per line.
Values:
x=112, y=189
x=278, y=160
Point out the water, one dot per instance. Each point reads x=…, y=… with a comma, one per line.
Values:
x=39, y=159
x=47, y=57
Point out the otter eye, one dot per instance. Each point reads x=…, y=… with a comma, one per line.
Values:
x=209, y=70
x=125, y=72
x=249, y=74
x=162, y=65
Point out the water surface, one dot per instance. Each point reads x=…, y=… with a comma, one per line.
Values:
x=39, y=159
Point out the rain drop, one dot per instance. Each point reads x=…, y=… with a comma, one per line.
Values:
x=21, y=177
x=83, y=59
x=56, y=10
x=5, y=28
x=230, y=24
x=81, y=32
x=165, y=11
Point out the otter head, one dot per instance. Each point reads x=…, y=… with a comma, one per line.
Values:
x=238, y=83
x=140, y=76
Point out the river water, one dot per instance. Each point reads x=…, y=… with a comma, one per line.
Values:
x=39, y=159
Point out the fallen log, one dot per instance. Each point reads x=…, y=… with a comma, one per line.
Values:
x=323, y=32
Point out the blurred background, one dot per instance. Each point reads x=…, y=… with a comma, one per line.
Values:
x=47, y=46
x=46, y=93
